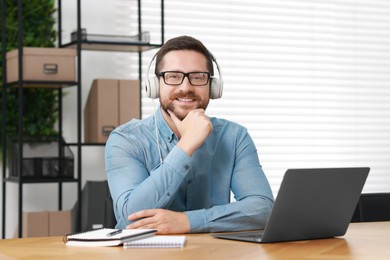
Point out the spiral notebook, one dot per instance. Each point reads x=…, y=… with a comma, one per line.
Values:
x=107, y=237
x=158, y=241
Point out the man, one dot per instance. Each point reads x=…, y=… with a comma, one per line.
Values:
x=174, y=171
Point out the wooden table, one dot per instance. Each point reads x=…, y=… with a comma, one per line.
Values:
x=363, y=241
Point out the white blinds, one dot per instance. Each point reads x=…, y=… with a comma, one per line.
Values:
x=309, y=79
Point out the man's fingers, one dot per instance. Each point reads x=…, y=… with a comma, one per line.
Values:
x=138, y=224
x=141, y=214
x=141, y=218
x=174, y=117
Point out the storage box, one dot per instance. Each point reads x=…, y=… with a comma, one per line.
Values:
x=45, y=157
x=110, y=103
x=35, y=224
x=42, y=64
x=46, y=223
x=60, y=222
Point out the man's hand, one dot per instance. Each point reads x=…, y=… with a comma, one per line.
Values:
x=165, y=221
x=193, y=129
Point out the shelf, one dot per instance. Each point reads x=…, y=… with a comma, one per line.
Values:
x=86, y=144
x=43, y=84
x=112, y=46
x=40, y=180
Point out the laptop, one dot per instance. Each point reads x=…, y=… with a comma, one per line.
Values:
x=311, y=204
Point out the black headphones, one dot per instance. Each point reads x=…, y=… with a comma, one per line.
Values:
x=152, y=85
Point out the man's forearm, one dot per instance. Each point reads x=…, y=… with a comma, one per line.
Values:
x=247, y=214
x=157, y=190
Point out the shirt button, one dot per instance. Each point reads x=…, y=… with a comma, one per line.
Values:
x=189, y=182
x=168, y=194
x=186, y=167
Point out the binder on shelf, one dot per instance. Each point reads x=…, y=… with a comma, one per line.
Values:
x=110, y=103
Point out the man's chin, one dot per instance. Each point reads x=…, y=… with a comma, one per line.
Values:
x=181, y=111
x=181, y=114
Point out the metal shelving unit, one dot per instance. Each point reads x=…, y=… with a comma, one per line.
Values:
x=80, y=45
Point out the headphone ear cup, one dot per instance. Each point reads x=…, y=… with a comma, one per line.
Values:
x=216, y=87
x=152, y=87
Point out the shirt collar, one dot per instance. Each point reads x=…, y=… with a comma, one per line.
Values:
x=164, y=130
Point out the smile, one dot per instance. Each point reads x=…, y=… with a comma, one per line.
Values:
x=185, y=100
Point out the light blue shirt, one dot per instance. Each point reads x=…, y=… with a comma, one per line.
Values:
x=200, y=185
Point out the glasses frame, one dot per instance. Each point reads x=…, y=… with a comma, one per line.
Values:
x=185, y=75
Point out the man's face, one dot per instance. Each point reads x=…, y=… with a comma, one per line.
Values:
x=183, y=98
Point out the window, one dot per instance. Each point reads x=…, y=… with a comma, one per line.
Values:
x=309, y=79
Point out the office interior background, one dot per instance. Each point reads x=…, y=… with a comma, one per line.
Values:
x=309, y=79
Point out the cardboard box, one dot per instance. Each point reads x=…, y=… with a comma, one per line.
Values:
x=46, y=223
x=35, y=224
x=110, y=103
x=60, y=223
x=129, y=97
x=42, y=64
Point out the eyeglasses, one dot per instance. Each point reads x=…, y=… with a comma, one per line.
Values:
x=175, y=78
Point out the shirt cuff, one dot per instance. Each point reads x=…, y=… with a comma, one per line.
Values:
x=198, y=221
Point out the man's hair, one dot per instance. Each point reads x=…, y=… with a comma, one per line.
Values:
x=184, y=43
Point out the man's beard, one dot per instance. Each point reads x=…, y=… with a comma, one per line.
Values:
x=171, y=106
